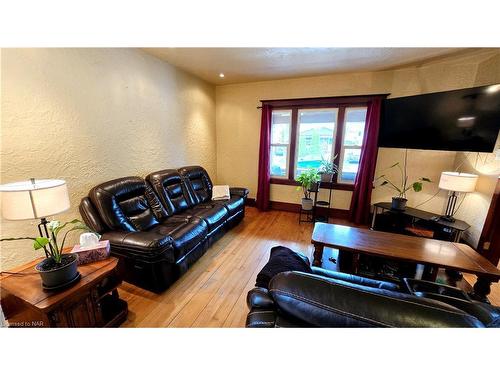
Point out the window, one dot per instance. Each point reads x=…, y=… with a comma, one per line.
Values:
x=316, y=128
x=280, y=143
x=352, y=140
x=305, y=132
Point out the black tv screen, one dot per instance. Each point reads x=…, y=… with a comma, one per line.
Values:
x=459, y=120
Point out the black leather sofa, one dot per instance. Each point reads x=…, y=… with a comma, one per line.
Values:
x=159, y=226
x=325, y=298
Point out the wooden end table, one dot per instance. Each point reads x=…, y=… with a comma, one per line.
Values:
x=93, y=301
x=417, y=250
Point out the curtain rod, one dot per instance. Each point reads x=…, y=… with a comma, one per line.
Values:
x=323, y=98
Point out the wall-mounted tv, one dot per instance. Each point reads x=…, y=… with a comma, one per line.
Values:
x=458, y=120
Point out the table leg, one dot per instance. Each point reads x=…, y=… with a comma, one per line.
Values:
x=318, y=254
x=355, y=263
x=481, y=290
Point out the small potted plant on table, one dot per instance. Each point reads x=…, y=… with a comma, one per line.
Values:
x=328, y=169
x=399, y=201
x=58, y=269
x=308, y=182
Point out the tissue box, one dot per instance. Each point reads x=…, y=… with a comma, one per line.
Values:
x=92, y=254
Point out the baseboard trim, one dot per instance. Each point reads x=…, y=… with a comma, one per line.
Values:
x=294, y=207
x=250, y=202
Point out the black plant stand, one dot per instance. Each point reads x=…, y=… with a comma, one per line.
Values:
x=323, y=204
x=306, y=216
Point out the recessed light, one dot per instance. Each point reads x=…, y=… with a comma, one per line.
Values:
x=221, y=75
x=492, y=89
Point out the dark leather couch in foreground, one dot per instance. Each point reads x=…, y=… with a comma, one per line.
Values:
x=332, y=299
x=159, y=226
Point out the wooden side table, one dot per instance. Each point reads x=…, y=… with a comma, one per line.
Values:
x=92, y=302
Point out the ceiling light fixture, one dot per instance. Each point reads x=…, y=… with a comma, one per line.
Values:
x=221, y=75
x=492, y=89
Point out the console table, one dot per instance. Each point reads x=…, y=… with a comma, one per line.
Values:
x=92, y=302
x=437, y=228
x=417, y=250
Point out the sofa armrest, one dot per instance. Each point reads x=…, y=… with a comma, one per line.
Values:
x=259, y=298
x=355, y=279
x=241, y=192
x=324, y=302
x=262, y=313
x=147, y=243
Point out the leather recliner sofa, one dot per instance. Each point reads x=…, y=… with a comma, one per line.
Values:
x=159, y=226
x=325, y=298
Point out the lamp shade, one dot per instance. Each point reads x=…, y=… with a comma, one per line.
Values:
x=459, y=182
x=34, y=199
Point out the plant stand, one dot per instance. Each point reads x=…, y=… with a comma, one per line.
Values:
x=306, y=216
x=325, y=205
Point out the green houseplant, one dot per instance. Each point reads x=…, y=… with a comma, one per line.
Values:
x=399, y=201
x=328, y=169
x=57, y=269
x=307, y=181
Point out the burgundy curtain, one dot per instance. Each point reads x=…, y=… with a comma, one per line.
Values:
x=263, y=186
x=362, y=194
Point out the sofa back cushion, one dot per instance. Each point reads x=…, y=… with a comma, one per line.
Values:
x=127, y=204
x=172, y=190
x=199, y=183
x=91, y=217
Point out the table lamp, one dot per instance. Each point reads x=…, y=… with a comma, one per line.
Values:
x=455, y=182
x=34, y=199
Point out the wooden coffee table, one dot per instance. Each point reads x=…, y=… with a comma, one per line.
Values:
x=435, y=253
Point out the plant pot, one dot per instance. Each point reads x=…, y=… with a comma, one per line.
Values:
x=326, y=177
x=54, y=277
x=314, y=187
x=398, y=204
x=307, y=204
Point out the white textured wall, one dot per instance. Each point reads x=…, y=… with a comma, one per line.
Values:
x=238, y=120
x=91, y=115
x=474, y=207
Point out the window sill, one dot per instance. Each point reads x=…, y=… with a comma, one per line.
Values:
x=335, y=185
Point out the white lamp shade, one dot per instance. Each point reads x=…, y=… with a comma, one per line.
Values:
x=459, y=182
x=27, y=200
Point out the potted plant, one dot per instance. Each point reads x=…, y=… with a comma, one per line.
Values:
x=399, y=201
x=308, y=180
x=57, y=269
x=327, y=169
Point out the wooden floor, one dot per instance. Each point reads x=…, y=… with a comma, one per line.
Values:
x=213, y=292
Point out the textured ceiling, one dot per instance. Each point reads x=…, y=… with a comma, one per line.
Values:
x=259, y=64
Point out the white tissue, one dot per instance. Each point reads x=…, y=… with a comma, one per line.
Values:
x=88, y=240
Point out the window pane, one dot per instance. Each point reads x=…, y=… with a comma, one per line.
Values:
x=314, y=137
x=354, y=126
x=279, y=157
x=350, y=164
x=280, y=127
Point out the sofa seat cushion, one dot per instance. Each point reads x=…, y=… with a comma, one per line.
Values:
x=143, y=244
x=213, y=215
x=234, y=205
x=186, y=233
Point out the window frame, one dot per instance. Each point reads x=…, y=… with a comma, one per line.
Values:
x=341, y=104
x=343, y=148
x=287, y=145
x=293, y=177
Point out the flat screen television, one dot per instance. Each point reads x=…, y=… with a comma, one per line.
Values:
x=458, y=120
